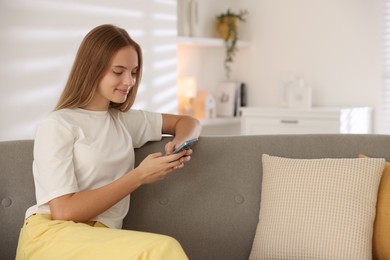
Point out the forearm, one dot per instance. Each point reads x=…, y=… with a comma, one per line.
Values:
x=187, y=128
x=85, y=205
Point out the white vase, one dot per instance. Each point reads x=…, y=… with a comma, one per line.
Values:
x=183, y=17
x=194, y=18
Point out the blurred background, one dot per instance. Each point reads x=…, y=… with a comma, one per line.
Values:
x=338, y=47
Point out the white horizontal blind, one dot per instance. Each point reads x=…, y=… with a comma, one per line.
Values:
x=39, y=40
x=384, y=113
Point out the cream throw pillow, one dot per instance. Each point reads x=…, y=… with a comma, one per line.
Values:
x=317, y=208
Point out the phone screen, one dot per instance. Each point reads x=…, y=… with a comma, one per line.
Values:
x=186, y=145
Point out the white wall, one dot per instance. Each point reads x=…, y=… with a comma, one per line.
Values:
x=336, y=45
x=39, y=40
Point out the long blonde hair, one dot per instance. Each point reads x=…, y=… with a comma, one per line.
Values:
x=91, y=62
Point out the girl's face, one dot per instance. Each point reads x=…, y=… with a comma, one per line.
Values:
x=117, y=80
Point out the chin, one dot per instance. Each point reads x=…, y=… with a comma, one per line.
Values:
x=119, y=101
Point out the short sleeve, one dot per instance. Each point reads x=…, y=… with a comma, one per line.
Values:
x=143, y=126
x=53, y=161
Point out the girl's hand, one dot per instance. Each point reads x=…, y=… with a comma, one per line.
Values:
x=171, y=146
x=156, y=166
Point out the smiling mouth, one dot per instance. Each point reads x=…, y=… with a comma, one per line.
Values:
x=123, y=91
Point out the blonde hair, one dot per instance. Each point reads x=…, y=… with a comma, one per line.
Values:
x=91, y=62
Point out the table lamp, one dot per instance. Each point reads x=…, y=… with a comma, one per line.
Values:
x=188, y=90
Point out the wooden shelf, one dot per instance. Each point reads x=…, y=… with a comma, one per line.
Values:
x=207, y=42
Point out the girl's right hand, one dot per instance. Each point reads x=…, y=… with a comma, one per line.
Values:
x=156, y=166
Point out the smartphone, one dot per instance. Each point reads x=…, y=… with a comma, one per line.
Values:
x=186, y=145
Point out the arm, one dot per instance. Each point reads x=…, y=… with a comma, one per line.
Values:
x=83, y=206
x=181, y=127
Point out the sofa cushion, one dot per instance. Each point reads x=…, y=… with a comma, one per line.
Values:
x=317, y=208
x=381, y=238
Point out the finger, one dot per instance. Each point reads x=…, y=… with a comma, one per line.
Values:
x=174, y=157
x=185, y=159
x=175, y=165
x=188, y=151
x=155, y=155
x=169, y=147
x=181, y=165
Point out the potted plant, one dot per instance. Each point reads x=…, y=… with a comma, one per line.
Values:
x=227, y=28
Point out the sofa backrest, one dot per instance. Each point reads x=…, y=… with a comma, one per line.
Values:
x=17, y=192
x=210, y=206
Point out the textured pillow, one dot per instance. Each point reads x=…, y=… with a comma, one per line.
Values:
x=317, y=208
x=381, y=238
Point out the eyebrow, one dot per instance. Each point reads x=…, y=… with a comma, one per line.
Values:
x=123, y=67
x=119, y=66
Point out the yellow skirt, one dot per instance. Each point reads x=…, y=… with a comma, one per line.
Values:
x=42, y=238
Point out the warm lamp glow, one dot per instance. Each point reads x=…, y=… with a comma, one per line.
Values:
x=187, y=91
x=187, y=87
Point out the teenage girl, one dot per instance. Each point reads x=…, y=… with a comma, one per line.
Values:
x=84, y=159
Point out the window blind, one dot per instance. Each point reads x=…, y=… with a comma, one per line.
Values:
x=384, y=111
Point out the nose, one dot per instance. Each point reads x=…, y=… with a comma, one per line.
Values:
x=129, y=80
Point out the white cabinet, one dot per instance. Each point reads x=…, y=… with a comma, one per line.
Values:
x=316, y=120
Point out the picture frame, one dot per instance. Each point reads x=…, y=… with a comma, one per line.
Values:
x=225, y=99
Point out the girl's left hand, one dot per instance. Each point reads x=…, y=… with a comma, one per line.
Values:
x=171, y=146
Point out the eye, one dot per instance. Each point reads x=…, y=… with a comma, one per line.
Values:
x=117, y=72
x=134, y=71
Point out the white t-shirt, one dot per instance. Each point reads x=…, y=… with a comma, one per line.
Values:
x=77, y=150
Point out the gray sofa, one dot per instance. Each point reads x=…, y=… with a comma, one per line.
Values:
x=211, y=205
